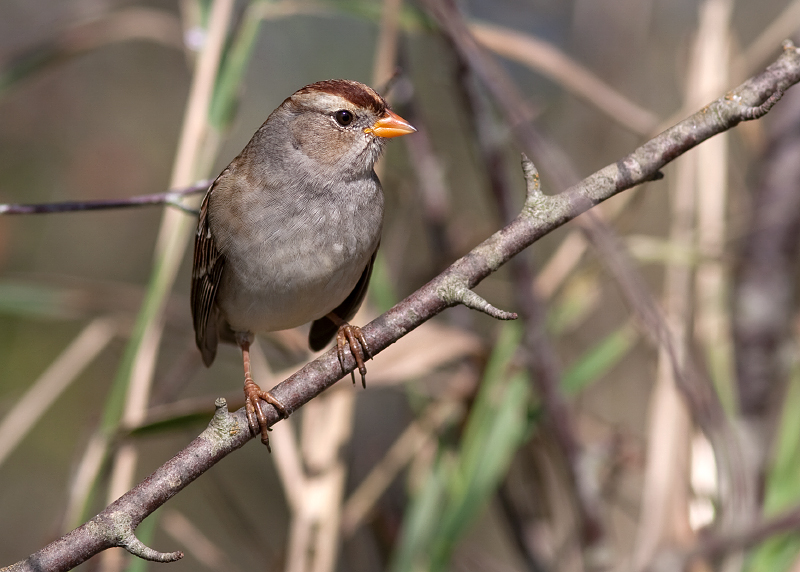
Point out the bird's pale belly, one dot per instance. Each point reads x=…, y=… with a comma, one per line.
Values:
x=291, y=290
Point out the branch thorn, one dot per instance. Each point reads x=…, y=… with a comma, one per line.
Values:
x=759, y=111
x=470, y=299
x=532, y=180
x=138, y=548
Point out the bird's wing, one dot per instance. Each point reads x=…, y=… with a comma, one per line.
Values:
x=323, y=330
x=206, y=273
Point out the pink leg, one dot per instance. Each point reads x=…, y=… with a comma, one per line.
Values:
x=253, y=394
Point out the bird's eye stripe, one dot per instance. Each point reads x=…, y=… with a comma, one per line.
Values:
x=344, y=117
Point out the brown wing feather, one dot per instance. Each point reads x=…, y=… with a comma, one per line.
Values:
x=323, y=330
x=206, y=273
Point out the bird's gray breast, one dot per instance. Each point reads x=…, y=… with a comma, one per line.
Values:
x=297, y=255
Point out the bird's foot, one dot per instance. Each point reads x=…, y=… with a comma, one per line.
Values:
x=352, y=336
x=253, y=395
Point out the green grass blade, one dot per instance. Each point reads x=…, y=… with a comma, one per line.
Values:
x=599, y=359
x=234, y=65
x=783, y=486
x=462, y=483
x=421, y=522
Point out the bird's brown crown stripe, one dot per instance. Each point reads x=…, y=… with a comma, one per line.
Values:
x=354, y=92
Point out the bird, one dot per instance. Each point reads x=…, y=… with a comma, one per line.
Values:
x=288, y=232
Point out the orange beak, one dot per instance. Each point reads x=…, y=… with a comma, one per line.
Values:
x=390, y=125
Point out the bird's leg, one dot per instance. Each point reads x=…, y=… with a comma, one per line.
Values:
x=253, y=394
x=351, y=335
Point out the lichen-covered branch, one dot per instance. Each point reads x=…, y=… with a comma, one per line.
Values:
x=115, y=526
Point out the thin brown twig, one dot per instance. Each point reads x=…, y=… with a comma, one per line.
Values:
x=126, y=24
x=432, y=189
x=719, y=545
x=763, y=287
x=196, y=146
x=540, y=215
x=203, y=548
x=539, y=351
x=33, y=405
x=170, y=198
x=695, y=388
x=555, y=64
x=514, y=107
x=761, y=49
x=386, y=50
x=546, y=375
x=414, y=438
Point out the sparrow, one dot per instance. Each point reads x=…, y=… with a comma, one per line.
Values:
x=288, y=232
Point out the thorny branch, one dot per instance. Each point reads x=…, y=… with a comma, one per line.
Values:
x=697, y=390
x=540, y=215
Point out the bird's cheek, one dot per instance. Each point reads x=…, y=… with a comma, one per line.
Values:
x=322, y=145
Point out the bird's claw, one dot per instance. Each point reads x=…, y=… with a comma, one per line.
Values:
x=256, y=418
x=354, y=338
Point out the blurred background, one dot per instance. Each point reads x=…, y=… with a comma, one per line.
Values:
x=557, y=442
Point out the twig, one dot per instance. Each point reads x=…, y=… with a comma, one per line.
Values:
x=788, y=521
x=205, y=551
x=546, y=375
x=539, y=351
x=383, y=67
x=196, y=147
x=514, y=107
x=432, y=188
x=566, y=72
x=116, y=524
x=698, y=198
x=761, y=49
x=721, y=544
x=413, y=439
x=121, y=25
x=30, y=408
x=765, y=271
x=540, y=215
x=696, y=389
x=170, y=198
x=517, y=524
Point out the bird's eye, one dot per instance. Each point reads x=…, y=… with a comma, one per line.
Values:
x=344, y=117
